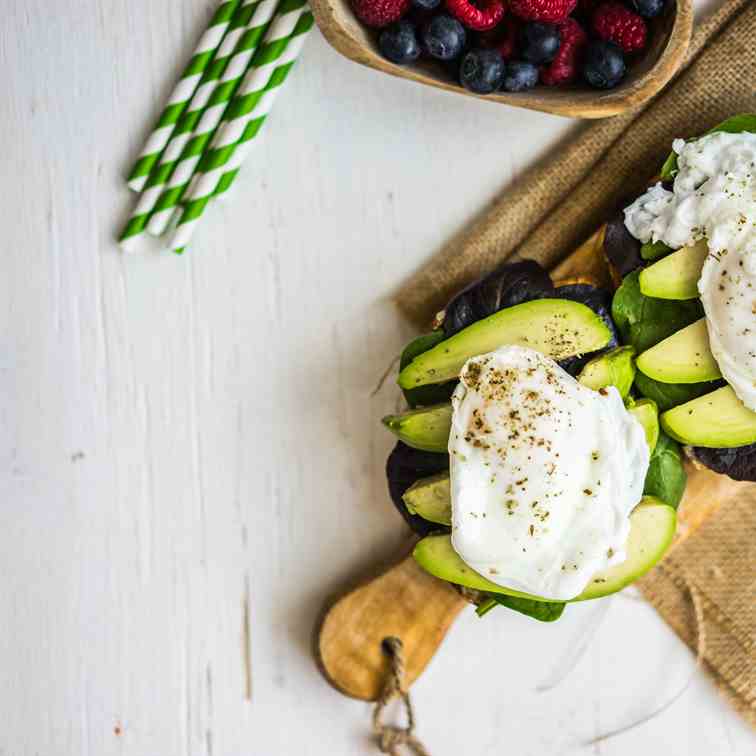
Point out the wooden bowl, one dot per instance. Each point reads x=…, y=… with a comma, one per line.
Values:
x=669, y=38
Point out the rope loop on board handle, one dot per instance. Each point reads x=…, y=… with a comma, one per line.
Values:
x=392, y=738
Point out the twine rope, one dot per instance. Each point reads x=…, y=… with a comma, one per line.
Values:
x=392, y=738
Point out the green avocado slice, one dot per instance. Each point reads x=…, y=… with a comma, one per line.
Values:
x=654, y=250
x=615, y=368
x=558, y=328
x=718, y=420
x=646, y=413
x=425, y=428
x=683, y=357
x=425, y=396
x=652, y=527
x=676, y=276
x=430, y=498
x=428, y=428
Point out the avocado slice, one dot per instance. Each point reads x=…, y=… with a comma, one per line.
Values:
x=676, y=276
x=715, y=420
x=425, y=428
x=431, y=499
x=652, y=527
x=646, y=413
x=558, y=328
x=683, y=357
x=615, y=368
x=654, y=250
x=424, y=396
x=406, y=466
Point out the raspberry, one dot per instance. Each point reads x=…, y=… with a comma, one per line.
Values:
x=482, y=18
x=613, y=22
x=553, y=11
x=564, y=68
x=379, y=13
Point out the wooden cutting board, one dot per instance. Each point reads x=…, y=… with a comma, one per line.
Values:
x=406, y=602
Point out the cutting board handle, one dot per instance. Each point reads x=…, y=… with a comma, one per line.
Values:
x=403, y=602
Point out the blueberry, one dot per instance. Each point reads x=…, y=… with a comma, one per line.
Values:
x=426, y=4
x=519, y=76
x=540, y=42
x=398, y=43
x=443, y=37
x=603, y=65
x=648, y=8
x=481, y=71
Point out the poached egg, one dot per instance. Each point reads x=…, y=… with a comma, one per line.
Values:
x=544, y=473
x=714, y=198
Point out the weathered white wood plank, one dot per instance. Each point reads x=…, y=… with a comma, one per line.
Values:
x=190, y=458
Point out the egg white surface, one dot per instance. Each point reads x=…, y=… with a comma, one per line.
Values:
x=544, y=474
x=714, y=197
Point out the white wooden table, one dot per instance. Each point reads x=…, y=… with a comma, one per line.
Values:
x=190, y=457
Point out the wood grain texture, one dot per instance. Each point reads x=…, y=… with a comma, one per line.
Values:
x=650, y=71
x=404, y=602
x=190, y=456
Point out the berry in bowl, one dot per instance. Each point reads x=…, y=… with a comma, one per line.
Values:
x=583, y=58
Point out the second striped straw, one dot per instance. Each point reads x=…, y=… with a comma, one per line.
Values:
x=168, y=179
x=182, y=93
x=246, y=113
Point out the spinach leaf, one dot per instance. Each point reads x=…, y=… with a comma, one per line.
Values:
x=666, y=476
x=423, y=396
x=543, y=611
x=644, y=321
x=668, y=395
x=734, y=125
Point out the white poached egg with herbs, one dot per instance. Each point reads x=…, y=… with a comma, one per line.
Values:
x=544, y=473
x=714, y=198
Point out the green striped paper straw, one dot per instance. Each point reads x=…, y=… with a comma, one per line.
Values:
x=179, y=98
x=263, y=108
x=231, y=170
x=246, y=113
x=203, y=132
x=197, y=125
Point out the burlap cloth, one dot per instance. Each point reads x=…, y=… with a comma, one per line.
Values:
x=546, y=215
